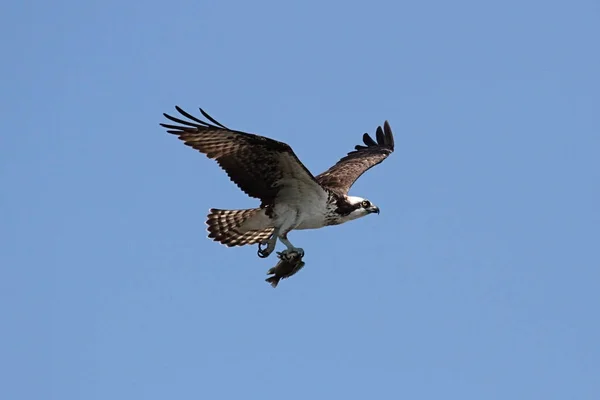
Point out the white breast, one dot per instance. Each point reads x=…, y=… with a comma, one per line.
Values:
x=313, y=217
x=301, y=202
x=300, y=206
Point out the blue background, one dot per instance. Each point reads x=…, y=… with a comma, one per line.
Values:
x=479, y=280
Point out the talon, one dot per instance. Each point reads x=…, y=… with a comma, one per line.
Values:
x=297, y=251
x=291, y=254
x=263, y=253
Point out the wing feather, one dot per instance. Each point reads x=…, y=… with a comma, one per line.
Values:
x=258, y=165
x=345, y=172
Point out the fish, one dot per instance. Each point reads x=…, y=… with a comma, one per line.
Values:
x=287, y=266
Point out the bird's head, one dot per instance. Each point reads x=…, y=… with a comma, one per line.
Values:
x=361, y=207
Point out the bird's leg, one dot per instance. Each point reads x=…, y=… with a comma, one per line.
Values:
x=271, y=242
x=290, y=248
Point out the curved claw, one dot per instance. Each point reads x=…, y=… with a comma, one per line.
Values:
x=263, y=253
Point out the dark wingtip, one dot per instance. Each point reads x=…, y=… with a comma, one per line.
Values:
x=211, y=119
x=368, y=140
x=380, y=137
x=383, y=135
x=198, y=123
x=389, y=137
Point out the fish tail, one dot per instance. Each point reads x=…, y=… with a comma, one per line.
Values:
x=273, y=280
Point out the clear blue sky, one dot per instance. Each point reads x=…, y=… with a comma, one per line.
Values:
x=479, y=280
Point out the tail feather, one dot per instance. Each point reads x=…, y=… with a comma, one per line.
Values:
x=224, y=226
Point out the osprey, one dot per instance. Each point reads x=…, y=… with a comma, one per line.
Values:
x=291, y=197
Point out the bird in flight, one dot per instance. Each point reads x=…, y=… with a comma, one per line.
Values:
x=291, y=197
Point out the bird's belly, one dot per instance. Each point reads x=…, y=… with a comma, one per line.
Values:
x=311, y=221
x=289, y=218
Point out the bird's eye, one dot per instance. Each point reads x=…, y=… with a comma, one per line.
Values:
x=366, y=203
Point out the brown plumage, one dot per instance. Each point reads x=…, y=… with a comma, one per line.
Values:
x=254, y=163
x=345, y=172
x=223, y=227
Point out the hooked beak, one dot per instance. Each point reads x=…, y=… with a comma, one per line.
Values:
x=373, y=209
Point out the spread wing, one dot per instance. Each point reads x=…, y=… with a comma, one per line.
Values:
x=342, y=175
x=259, y=166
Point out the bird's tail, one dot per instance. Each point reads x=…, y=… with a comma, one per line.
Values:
x=235, y=227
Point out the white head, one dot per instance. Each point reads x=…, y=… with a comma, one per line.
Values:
x=359, y=207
